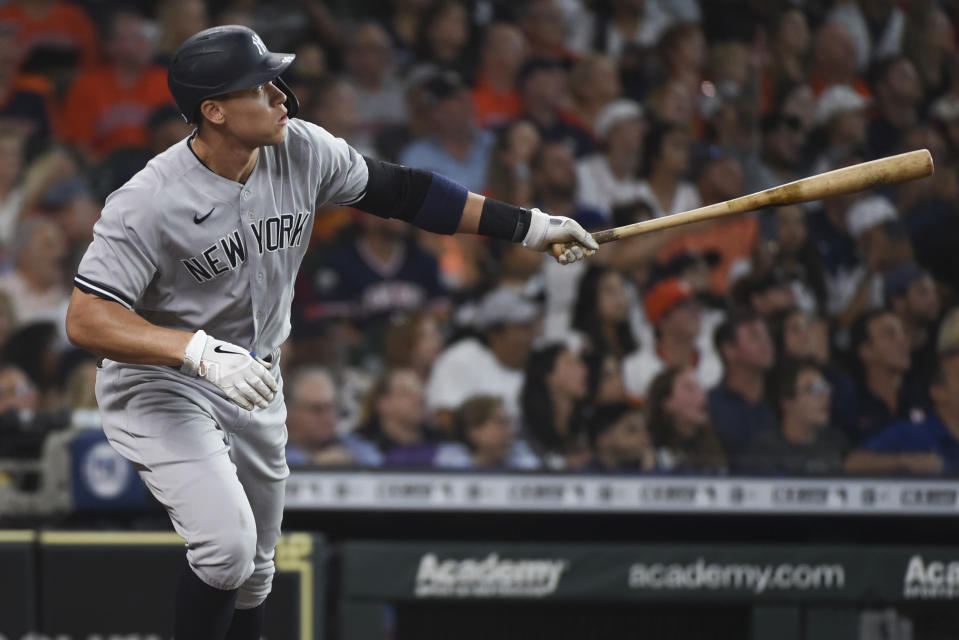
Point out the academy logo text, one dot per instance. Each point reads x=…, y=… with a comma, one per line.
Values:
x=488, y=577
x=756, y=578
x=930, y=580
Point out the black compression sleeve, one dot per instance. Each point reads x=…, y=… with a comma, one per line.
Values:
x=394, y=191
x=502, y=220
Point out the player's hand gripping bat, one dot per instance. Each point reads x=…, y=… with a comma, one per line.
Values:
x=891, y=170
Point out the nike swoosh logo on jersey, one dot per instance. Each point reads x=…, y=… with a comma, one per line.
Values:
x=220, y=349
x=199, y=220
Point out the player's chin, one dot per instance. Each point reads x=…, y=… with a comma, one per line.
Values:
x=279, y=133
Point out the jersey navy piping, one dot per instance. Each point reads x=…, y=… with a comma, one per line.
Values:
x=101, y=290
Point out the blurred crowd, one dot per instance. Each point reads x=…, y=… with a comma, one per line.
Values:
x=804, y=340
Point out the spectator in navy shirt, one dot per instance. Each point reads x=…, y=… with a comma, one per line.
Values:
x=882, y=394
x=737, y=406
x=804, y=444
x=620, y=440
x=924, y=444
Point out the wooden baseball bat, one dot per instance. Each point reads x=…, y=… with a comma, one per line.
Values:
x=891, y=170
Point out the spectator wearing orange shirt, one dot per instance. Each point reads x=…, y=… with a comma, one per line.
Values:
x=495, y=96
x=56, y=27
x=107, y=108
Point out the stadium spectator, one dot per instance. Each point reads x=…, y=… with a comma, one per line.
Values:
x=177, y=21
x=455, y=145
x=70, y=205
x=738, y=407
x=672, y=102
x=881, y=244
x=554, y=402
x=380, y=95
x=601, y=314
x=26, y=100
x=36, y=285
x=841, y=122
x=620, y=440
x=165, y=127
x=593, y=85
x=35, y=349
x=926, y=444
x=555, y=186
x=544, y=92
x=381, y=272
x=495, y=97
x=685, y=440
x=413, y=342
x=443, y=37
x=544, y=27
x=910, y=293
x=789, y=43
x=875, y=26
x=606, y=379
x=608, y=179
x=834, y=60
x=509, y=176
x=794, y=255
x=930, y=45
x=898, y=94
x=682, y=52
x=311, y=421
x=403, y=26
x=488, y=440
x=676, y=315
x=664, y=167
x=334, y=107
x=779, y=162
x=52, y=33
x=765, y=293
x=395, y=432
x=804, y=444
x=883, y=394
x=491, y=365
x=616, y=26
x=108, y=107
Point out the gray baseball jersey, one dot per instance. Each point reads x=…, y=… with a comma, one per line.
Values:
x=189, y=249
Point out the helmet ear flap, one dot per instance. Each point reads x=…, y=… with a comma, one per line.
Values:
x=292, y=104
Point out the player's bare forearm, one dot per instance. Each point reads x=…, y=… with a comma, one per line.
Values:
x=472, y=211
x=109, y=330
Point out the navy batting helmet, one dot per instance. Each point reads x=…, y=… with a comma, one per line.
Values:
x=221, y=60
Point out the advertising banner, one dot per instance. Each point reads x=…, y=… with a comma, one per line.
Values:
x=610, y=573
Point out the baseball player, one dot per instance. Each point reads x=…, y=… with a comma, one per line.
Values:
x=185, y=292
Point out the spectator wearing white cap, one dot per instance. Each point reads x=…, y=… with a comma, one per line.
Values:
x=874, y=224
x=840, y=121
x=608, y=179
x=492, y=365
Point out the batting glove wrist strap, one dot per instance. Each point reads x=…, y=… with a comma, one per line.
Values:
x=244, y=379
x=194, y=354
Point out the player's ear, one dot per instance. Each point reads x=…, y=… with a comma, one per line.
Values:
x=212, y=111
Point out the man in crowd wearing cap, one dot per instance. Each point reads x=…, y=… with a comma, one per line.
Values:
x=841, y=117
x=804, y=444
x=882, y=393
x=609, y=179
x=676, y=316
x=544, y=91
x=620, y=441
x=881, y=244
x=738, y=407
x=923, y=443
x=456, y=146
x=491, y=365
x=910, y=293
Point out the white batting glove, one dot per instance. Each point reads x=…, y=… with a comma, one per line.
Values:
x=243, y=378
x=545, y=230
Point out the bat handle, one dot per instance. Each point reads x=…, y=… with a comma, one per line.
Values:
x=601, y=237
